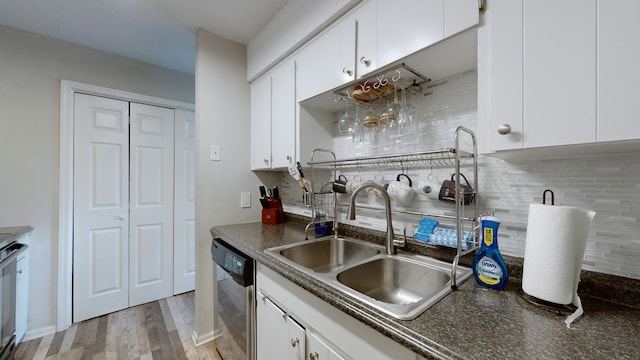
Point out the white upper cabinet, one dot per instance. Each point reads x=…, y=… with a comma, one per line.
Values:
x=618, y=71
x=283, y=115
x=559, y=72
x=375, y=34
x=366, y=43
x=261, y=123
x=538, y=65
x=460, y=15
x=327, y=62
x=406, y=26
x=500, y=64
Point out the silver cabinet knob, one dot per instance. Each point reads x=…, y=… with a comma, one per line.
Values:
x=266, y=161
x=347, y=71
x=289, y=158
x=121, y=217
x=295, y=342
x=314, y=356
x=366, y=62
x=504, y=129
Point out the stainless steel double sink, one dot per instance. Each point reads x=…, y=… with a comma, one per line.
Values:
x=402, y=285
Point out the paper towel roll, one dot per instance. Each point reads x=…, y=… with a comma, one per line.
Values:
x=555, y=245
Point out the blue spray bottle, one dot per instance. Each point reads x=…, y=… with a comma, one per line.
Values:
x=489, y=268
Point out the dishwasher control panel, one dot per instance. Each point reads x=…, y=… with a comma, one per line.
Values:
x=233, y=261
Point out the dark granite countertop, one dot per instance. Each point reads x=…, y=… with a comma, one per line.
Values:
x=472, y=322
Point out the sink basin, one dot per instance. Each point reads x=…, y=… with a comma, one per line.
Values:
x=403, y=286
x=395, y=281
x=326, y=254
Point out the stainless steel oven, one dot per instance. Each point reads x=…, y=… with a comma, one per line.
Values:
x=241, y=268
x=8, y=258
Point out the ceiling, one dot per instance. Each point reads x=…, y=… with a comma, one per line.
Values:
x=160, y=32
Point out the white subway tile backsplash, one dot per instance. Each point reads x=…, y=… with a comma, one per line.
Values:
x=606, y=184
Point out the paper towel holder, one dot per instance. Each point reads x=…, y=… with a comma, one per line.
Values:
x=558, y=309
x=544, y=197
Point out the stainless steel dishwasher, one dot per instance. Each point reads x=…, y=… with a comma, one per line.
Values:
x=241, y=268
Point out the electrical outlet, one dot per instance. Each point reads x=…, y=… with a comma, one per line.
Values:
x=214, y=152
x=245, y=200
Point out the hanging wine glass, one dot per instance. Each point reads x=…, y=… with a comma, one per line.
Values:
x=345, y=123
x=357, y=135
x=407, y=123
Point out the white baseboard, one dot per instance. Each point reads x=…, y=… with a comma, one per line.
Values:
x=37, y=333
x=205, y=338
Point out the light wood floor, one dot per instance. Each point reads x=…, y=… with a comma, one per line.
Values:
x=157, y=330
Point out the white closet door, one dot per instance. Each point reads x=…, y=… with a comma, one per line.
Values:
x=151, y=208
x=184, y=238
x=100, y=206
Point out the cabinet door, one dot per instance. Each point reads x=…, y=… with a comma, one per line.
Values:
x=406, y=26
x=367, y=39
x=505, y=67
x=460, y=15
x=618, y=72
x=261, y=123
x=283, y=115
x=319, y=350
x=335, y=49
x=297, y=340
x=22, y=296
x=272, y=333
x=559, y=72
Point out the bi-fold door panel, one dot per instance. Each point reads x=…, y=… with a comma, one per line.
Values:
x=101, y=206
x=151, y=208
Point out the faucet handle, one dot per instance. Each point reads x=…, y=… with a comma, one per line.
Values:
x=401, y=242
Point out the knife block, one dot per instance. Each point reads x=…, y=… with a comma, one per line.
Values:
x=274, y=214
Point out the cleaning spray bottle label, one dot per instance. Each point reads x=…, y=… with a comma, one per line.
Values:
x=488, y=236
x=488, y=271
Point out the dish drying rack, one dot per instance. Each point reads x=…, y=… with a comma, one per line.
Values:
x=325, y=202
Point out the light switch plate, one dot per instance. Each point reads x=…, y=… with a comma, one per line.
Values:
x=215, y=153
x=245, y=200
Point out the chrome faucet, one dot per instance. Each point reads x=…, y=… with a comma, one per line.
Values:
x=351, y=215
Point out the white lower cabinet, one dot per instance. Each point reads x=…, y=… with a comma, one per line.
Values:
x=280, y=337
x=288, y=315
x=317, y=349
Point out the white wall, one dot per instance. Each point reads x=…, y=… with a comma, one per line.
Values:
x=31, y=67
x=222, y=118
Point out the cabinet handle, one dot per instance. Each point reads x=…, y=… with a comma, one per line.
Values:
x=289, y=158
x=347, y=71
x=504, y=129
x=314, y=356
x=19, y=271
x=266, y=161
x=366, y=62
x=295, y=342
x=121, y=217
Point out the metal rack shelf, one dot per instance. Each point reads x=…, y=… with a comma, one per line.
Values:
x=381, y=86
x=443, y=157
